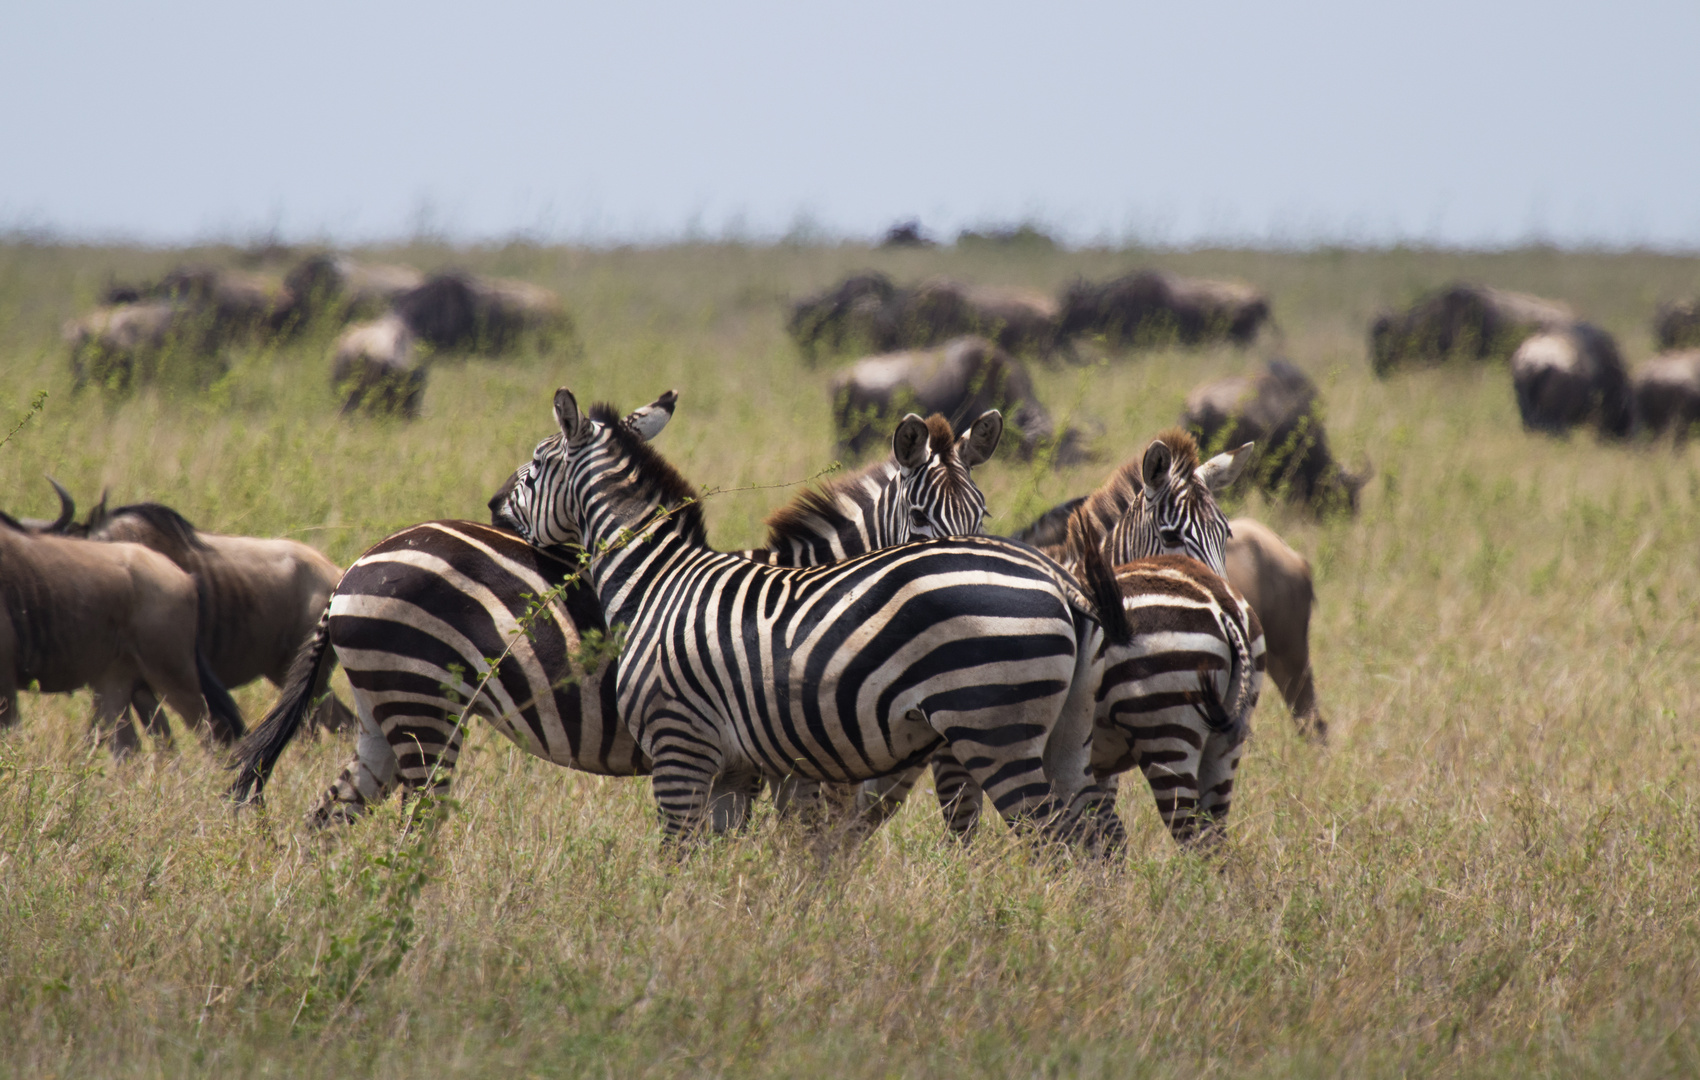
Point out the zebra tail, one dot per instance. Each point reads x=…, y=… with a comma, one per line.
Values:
x=228, y=726
x=1242, y=695
x=1099, y=577
x=308, y=677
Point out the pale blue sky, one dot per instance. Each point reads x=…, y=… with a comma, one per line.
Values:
x=1447, y=121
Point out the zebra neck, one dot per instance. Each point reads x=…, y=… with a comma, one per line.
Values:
x=627, y=546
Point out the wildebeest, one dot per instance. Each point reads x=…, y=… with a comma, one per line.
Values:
x=907, y=234
x=1677, y=325
x=1278, y=409
x=352, y=289
x=259, y=599
x=463, y=312
x=850, y=315
x=1276, y=582
x=1461, y=320
x=375, y=368
x=121, y=344
x=226, y=304
x=1019, y=320
x=1666, y=392
x=1154, y=307
x=1571, y=376
x=117, y=618
x=961, y=379
x=867, y=311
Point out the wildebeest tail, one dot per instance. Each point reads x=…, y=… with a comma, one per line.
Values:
x=308, y=678
x=1098, y=577
x=227, y=722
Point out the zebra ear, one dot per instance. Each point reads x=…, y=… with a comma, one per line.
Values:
x=981, y=440
x=909, y=443
x=1158, y=458
x=649, y=420
x=574, y=424
x=1225, y=468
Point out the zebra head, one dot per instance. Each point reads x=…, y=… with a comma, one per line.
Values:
x=536, y=501
x=1176, y=513
x=935, y=466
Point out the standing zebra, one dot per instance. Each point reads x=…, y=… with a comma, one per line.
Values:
x=415, y=618
x=837, y=674
x=1181, y=675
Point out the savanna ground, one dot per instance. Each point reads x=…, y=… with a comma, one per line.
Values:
x=1490, y=870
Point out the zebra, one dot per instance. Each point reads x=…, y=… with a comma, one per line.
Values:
x=1182, y=670
x=835, y=674
x=414, y=619
x=873, y=508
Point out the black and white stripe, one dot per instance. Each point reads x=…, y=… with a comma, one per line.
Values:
x=836, y=674
x=414, y=618
x=1178, y=680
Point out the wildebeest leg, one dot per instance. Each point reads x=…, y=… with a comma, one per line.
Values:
x=365, y=780
x=1298, y=689
x=111, y=720
x=152, y=715
x=176, y=680
x=333, y=715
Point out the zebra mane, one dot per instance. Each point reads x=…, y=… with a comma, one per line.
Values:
x=801, y=518
x=653, y=477
x=1182, y=445
x=162, y=519
x=941, y=437
x=1125, y=487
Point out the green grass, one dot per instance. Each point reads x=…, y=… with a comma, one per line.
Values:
x=1490, y=871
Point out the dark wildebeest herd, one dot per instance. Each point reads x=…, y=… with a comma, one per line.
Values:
x=141, y=607
x=397, y=318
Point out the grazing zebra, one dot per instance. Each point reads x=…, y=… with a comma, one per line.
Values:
x=414, y=619
x=1181, y=675
x=838, y=673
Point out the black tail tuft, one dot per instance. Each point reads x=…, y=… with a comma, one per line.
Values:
x=1098, y=577
x=226, y=719
x=266, y=743
x=1207, y=703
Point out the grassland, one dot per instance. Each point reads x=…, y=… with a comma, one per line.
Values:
x=1489, y=872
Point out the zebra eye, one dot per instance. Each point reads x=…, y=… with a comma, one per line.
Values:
x=1171, y=537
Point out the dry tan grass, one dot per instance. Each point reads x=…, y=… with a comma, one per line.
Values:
x=1489, y=872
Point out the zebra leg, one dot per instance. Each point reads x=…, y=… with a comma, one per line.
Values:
x=685, y=757
x=1218, y=763
x=960, y=798
x=878, y=799
x=730, y=798
x=1170, y=764
x=1011, y=770
x=365, y=780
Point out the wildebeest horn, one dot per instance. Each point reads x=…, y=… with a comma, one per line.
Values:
x=67, y=508
x=97, y=516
